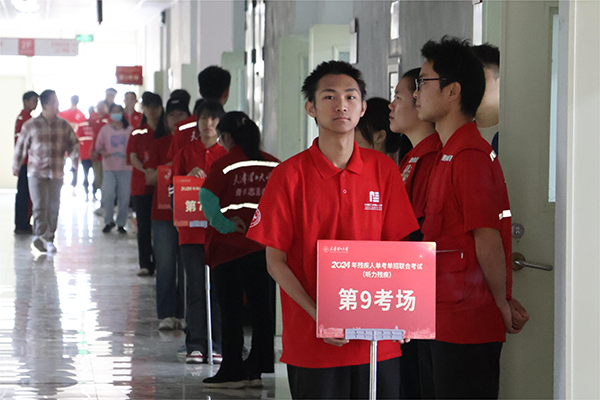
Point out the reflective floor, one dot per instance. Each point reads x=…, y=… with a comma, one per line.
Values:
x=82, y=325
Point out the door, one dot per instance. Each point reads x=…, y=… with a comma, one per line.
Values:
x=526, y=153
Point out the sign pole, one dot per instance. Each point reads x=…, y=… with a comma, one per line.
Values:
x=208, y=316
x=373, y=380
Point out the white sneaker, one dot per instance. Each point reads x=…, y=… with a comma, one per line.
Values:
x=168, y=324
x=51, y=248
x=40, y=244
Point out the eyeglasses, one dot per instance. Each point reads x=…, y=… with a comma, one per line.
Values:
x=419, y=81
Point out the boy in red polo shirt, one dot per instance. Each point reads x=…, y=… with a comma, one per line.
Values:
x=468, y=216
x=321, y=193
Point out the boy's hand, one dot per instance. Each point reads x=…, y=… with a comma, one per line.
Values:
x=336, y=342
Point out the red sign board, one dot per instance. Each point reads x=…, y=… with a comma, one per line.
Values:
x=375, y=285
x=187, y=209
x=130, y=75
x=27, y=47
x=162, y=187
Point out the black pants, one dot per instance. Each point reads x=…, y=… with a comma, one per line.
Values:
x=248, y=275
x=87, y=165
x=22, y=214
x=459, y=371
x=351, y=382
x=143, y=211
x=410, y=381
x=196, y=333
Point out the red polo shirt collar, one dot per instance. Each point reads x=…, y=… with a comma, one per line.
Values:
x=327, y=169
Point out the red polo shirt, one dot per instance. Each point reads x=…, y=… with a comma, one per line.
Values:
x=135, y=119
x=187, y=131
x=308, y=199
x=188, y=158
x=139, y=144
x=85, y=134
x=75, y=117
x=23, y=117
x=416, y=167
x=239, y=184
x=466, y=192
x=158, y=156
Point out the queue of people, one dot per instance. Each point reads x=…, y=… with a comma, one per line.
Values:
x=437, y=179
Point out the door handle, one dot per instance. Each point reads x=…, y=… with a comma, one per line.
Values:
x=519, y=262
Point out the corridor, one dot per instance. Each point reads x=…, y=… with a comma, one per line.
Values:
x=82, y=325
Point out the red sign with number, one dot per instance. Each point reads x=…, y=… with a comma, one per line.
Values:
x=27, y=47
x=162, y=187
x=375, y=285
x=187, y=209
x=130, y=75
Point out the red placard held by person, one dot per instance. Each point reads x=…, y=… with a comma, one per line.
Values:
x=376, y=285
x=162, y=187
x=187, y=209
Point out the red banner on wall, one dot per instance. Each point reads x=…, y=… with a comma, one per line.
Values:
x=375, y=285
x=162, y=187
x=130, y=75
x=187, y=209
x=27, y=47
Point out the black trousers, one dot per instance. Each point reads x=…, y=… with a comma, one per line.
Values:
x=351, y=382
x=87, y=165
x=410, y=380
x=143, y=211
x=22, y=214
x=459, y=371
x=247, y=274
x=196, y=333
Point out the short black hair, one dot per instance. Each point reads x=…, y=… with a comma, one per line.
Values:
x=181, y=94
x=454, y=60
x=213, y=82
x=46, y=95
x=489, y=55
x=133, y=93
x=412, y=76
x=197, y=105
x=111, y=90
x=74, y=99
x=213, y=108
x=150, y=99
x=29, y=95
x=309, y=88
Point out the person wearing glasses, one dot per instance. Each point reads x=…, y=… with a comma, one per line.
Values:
x=468, y=216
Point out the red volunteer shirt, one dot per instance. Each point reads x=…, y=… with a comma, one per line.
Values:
x=308, y=199
x=74, y=117
x=467, y=191
x=415, y=169
x=96, y=124
x=139, y=144
x=23, y=117
x=85, y=134
x=188, y=158
x=239, y=184
x=135, y=119
x=157, y=155
x=187, y=132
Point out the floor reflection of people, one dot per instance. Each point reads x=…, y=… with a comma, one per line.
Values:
x=38, y=335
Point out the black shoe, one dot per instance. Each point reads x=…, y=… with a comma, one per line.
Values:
x=253, y=381
x=222, y=381
x=121, y=229
x=108, y=227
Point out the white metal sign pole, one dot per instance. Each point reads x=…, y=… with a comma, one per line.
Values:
x=208, y=317
x=373, y=380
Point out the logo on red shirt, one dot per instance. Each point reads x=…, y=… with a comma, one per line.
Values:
x=255, y=219
x=373, y=204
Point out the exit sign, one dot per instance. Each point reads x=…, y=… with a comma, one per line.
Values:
x=85, y=38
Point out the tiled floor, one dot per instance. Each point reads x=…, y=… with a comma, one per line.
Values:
x=82, y=325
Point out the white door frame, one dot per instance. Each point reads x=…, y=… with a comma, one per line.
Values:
x=577, y=294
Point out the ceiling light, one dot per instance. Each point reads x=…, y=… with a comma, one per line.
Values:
x=26, y=6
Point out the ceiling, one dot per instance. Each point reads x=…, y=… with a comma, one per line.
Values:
x=75, y=15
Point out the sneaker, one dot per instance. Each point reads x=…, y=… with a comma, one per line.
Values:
x=143, y=272
x=39, y=244
x=182, y=351
x=254, y=381
x=51, y=248
x=108, y=227
x=168, y=324
x=121, y=230
x=223, y=382
x=217, y=358
x=195, y=357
